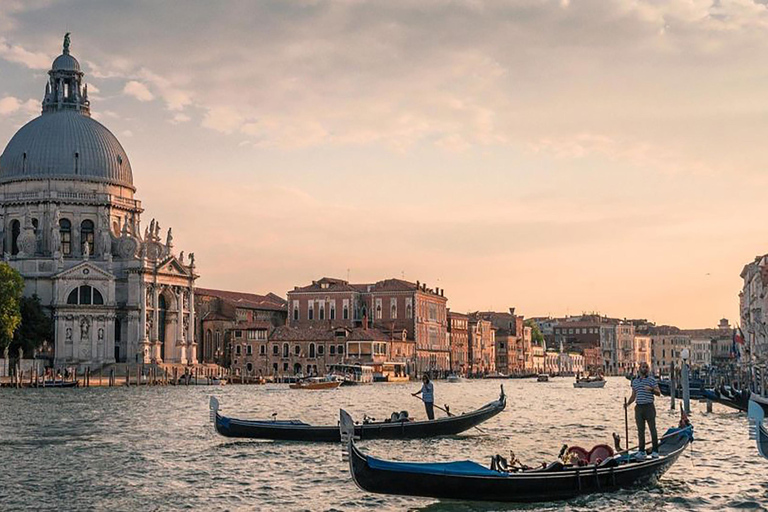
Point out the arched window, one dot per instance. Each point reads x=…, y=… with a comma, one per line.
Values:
x=311, y=350
x=15, y=231
x=85, y=295
x=393, y=312
x=297, y=350
x=65, y=230
x=249, y=368
x=285, y=350
x=86, y=235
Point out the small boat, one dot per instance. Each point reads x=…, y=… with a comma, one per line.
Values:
x=468, y=480
x=695, y=386
x=758, y=430
x=352, y=374
x=393, y=428
x=542, y=377
x=729, y=397
x=316, y=383
x=191, y=380
x=590, y=382
x=453, y=378
x=58, y=383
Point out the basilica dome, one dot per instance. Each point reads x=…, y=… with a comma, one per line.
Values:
x=65, y=142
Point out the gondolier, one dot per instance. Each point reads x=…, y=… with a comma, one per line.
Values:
x=643, y=388
x=427, y=393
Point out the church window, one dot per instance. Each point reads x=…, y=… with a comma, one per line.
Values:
x=408, y=308
x=86, y=235
x=65, y=230
x=393, y=308
x=85, y=295
x=15, y=231
x=378, y=309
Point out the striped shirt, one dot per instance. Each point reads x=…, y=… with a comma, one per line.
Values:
x=640, y=385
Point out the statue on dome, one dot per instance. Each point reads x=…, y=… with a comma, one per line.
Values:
x=66, y=43
x=191, y=259
x=169, y=238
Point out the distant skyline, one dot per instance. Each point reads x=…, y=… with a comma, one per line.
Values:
x=554, y=156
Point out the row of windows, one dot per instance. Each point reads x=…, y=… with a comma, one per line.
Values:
x=577, y=330
x=359, y=313
x=65, y=231
x=314, y=351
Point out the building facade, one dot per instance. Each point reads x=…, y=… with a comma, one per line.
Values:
x=482, y=345
x=71, y=225
x=410, y=313
x=458, y=339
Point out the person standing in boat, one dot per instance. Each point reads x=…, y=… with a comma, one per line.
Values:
x=427, y=393
x=643, y=388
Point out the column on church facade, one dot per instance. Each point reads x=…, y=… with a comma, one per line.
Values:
x=156, y=324
x=191, y=328
x=143, y=346
x=180, y=326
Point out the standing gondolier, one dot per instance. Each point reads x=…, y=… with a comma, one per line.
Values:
x=427, y=393
x=643, y=388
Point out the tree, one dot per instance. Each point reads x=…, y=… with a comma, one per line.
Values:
x=36, y=327
x=11, y=288
x=536, y=336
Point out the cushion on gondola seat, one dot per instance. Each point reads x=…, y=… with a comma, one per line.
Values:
x=458, y=468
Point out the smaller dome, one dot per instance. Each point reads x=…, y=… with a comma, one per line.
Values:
x=65, y=62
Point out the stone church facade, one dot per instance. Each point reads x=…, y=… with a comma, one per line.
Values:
x=71, y=225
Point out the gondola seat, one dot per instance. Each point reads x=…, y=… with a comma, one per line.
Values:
x=549, y=468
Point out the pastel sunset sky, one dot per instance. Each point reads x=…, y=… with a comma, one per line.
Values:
x=553, y=155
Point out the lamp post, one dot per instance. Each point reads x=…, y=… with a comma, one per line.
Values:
x=684, y=355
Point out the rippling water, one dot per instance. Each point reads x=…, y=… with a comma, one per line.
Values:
x=155, y=449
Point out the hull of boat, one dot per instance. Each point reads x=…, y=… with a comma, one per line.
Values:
x=60, y=384
x=757, y=414
x=740, y=402
x=592, y=384
x=316, y=385
x=415, y=479
x=298, y=431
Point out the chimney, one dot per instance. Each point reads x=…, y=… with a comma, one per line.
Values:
x=512, y=311
x=442, y=292
x=417, y=284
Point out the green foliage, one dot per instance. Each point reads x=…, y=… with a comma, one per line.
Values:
x=536, y=336
x=11, y=288
x=36, y=327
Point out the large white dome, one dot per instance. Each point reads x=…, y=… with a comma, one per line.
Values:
x=65, y=144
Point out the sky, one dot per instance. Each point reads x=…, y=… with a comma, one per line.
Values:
x=557, y=156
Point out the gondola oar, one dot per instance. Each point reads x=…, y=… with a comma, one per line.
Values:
x=626, y=424
x=446, y=411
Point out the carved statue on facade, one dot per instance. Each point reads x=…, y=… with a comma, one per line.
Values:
x=191, y=259
x=151, y=231
x=169, y=239
x=181, y=257
x=105, y=238
x=55, y=232
x=85, y=326
x=86, y=250
x=68, y=335
x=66, y=42
x=156, y=234
x=101, y=334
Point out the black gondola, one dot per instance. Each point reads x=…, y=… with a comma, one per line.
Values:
x=295, y=430
x=729, y=397
x=467, y=480
x=758, y=411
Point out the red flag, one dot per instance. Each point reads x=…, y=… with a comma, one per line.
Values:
x=738, y=336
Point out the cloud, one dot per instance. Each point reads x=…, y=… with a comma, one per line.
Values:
x=19, y=55
x=10, y=105
x=138, y=90
x=179, y=118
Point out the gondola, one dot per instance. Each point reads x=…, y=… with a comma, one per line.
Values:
x=729, y=397
x=695, y=386
x=467, y=480
x=757, y=413
x=60, y=383
x=295, y=430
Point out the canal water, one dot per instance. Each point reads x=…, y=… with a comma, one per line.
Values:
x=153, y=448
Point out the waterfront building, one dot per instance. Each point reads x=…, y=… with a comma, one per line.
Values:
x=235, y=323
x=482, y=345
x=539, y=359
x=753, y=304
x=70, y=223
x=392, y=306
x=666, y=347
x=311, y=350
x=458, y=340
x=513, y=344
x=642, y=353
x=546, y=325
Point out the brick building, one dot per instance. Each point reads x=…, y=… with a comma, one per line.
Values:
x=226, y=320
x=514, y=353
x=412, y=315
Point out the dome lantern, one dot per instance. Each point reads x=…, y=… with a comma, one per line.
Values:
x=65, y=89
